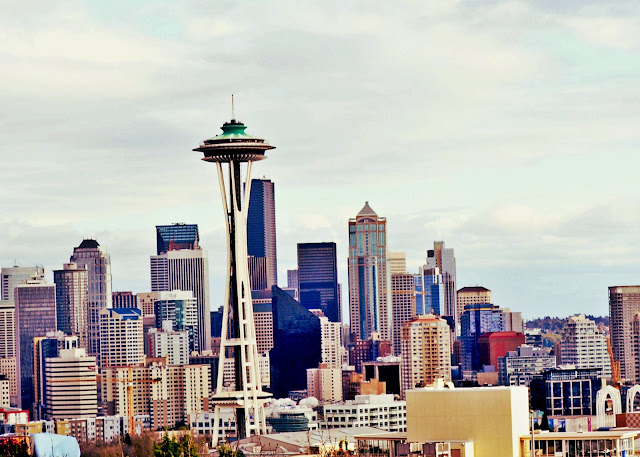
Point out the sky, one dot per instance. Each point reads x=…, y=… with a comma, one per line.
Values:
x=510, y=130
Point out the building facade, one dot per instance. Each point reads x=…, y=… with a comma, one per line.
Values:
x=72, y=301
x=444, y=260
x=369, y=291
x=261, y=226
x=518, y=367
x=177, y=236
x=584, y=345
x=429, y=292
x=318, y=278
x=380, y=411
x=12, y=276
x=624, y=305
x=181, y=309
x=121, y=334
x=93, y=258
x=169, y=343
x=187, y=270
x=403, y=305
x=477, y=320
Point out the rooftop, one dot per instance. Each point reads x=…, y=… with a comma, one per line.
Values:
x=366, y=211
x=88, y=244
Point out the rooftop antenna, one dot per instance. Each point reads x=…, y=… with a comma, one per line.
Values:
x=233, y=109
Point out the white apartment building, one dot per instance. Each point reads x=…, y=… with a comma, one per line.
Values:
x=518, y=367
x=167, y=343
x=585, y=345
x=71, y=389
x=379, y=411
x=121, y=337
x=331, y=343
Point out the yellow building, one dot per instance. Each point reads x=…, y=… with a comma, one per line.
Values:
x=494, y=418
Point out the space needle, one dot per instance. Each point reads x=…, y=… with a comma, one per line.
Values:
x=230, y=151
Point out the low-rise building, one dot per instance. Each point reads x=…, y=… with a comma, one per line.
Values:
x=518, y=367
x=380, y=411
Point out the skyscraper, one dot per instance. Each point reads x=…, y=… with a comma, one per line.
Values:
x=318, y=278
x=35, y=316
x=369, y=294
x=12, y=276
x=236, y=151
x=403, y=305
x=443, y=259
x=122, y=340
x=177, y=236
x=181, y=309
x=429, y=290
x=584, y=345
x=187, y=270
x=477, y=320
x=72, y=299
x=261, y=226
x=292, y=279
x=90, y=256
x=624, y=306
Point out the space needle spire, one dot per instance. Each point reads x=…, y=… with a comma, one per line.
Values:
x=234, y=151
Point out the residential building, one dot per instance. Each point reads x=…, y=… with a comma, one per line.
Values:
x=380, y=411
x=517, y=368
x=5, y=392
x=165, y=342
x=35, y=315
x=121, y=336
x=324, y=383
x=72, y=301
x=71, y=389
x=624, y=305
x=369, y=291
x=93, y=258
x=261, y=226
x=444, y=260
x=10, y=277
x=187, y=270
x=181, y=308
x=331, y=347
x=318, y=278
x=584, y=345
x=177, y=236
x=477, y=320
x=8, y=368
x=297, y=342
x=403, y=305
x=263, y=322
x=354, y=384
x=426, y=352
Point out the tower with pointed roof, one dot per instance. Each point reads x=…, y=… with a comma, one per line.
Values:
x=233, y=152
x=369, y=297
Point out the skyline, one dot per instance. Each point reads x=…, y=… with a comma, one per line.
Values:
x=506, y=129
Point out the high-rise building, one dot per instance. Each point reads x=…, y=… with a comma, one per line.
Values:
x=331, y=343
x=403, y=305
x=444, y=259
x=258, y=273
x=71, y=388
x=72, y=301
x=236, y=151
x=477, y=320
x=429, y=292
x=426, y=351
x=292, y=279
x=7, y=329
x=44, y=347
x=624, y=305
x=12, y=276
x=174, y=345
x=187, y=270
x=473, y=295
x=397, y=262
x=369, y=291
x=324, y=383
x=318, y=278
x=584, y=345
x=35, y=315
x=261, y=226
x=90, y=256
x=180, y=308
x=517, y=368
x=177, y=236
x=126, y=299
x=121, y=337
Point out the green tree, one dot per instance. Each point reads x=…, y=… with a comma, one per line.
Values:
x=224, y=450
x=168, y=447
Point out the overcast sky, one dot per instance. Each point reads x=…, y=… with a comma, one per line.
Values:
x=510, y=130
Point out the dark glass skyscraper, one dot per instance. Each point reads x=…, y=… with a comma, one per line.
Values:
x=261, y=226
x=318, y=278
x=296, y=344
x=177, y=236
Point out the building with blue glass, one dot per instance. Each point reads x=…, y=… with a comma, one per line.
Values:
x=478, y=319
x=177, y=236
x=318, y=278
x=181, y=308
x=429, y=292
x=261, y=227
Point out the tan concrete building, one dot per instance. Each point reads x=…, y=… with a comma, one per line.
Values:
x=324, y=383
x=494, y=418
x=624, y=305
x=473, y=295
x=397, y=262
x=403, y=305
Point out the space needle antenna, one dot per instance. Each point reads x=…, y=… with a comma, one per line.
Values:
x=233, y=109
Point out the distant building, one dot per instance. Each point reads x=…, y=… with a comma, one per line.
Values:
x=477, y=320
x=584, y=345
x=181, y=309
x=517, y=368
x=12, y=276
x=35, y=315
x=403, y=305
x=90, y=256
x=533, y=337
x=292, y=279
x=387, y=372
x=493, y=345
x=318, y=278
x=624, y=305
x=380, y=411
x=71, y=389
x=177, y=236
x=426, y=352
x=72, y=301
x=324, y=383
x=165, y=342
x=258, y=273
x=187, y=270
x=566, y=391
x=473, y=295
x=331, y=343
x=429, y=292
x=7, y=329
x=367, y=350
x=397, y=263
x=296, y=344
x=261, y=226
x=369, y=291
x=44, y=347
x=444, y=260
x=513, y=321
x=121, y=336
x=125, y=299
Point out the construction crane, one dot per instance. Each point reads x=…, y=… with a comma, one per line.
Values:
x=615, y=365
